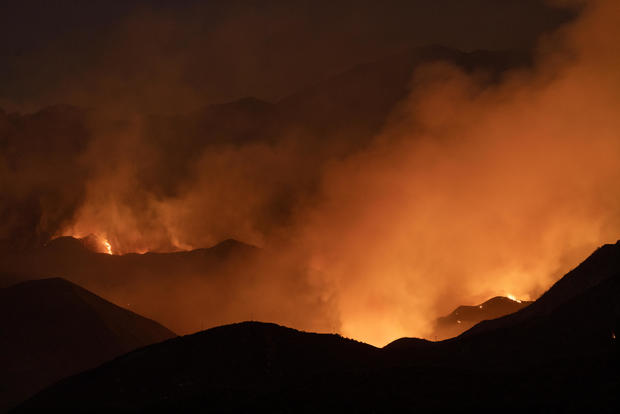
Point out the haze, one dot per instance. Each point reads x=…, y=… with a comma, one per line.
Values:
x=481, y=179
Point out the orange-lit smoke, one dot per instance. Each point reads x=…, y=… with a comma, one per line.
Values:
x=470, y=191
x=475, y=191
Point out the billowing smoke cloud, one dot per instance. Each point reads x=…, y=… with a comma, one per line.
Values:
x=474, y=186
x=474, y=191
x=41, y=182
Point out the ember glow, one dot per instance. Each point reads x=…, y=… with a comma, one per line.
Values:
x=512, y=298
x=108, y=246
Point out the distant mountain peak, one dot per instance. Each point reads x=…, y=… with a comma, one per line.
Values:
x=227, y=247
x=601, y=267
x=464, y=317
x=66, y=244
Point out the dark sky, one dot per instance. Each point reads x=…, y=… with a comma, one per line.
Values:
x=149, y=53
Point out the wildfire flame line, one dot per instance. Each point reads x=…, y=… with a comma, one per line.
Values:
x=108, y=246
x=513, y=298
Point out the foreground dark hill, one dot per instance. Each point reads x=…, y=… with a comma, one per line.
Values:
x=598, y=272
x=51, y=328
x=464, y=317
x=578, y=316
x=558, y=354
x=252, y=362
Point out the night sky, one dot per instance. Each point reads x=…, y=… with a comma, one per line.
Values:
x=59, y=51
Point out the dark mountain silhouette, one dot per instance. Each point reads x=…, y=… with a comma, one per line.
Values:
x=72, y=258
x=147, y=283
x=328, y=119
x=464, y=317
x=354, y=103
x=558, y=354
x=600, y=270
x=52, y=328
x=359, y=101
x=188, y=290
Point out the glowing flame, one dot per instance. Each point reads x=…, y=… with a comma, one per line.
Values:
x=512, y=297
x=108, y=246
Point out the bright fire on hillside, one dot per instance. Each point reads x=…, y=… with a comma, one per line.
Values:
x=108, y=246
x=513, y=298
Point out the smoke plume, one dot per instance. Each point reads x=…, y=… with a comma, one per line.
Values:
x=473, y=190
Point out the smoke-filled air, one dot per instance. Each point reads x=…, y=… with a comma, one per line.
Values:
x=484, y=175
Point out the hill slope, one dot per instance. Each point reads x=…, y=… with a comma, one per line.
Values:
x=464, y=317
x=161, y=286
x=186, y=291
x=561, y=355
x=51, y=328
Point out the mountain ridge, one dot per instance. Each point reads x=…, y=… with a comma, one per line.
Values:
x=538, y=364
x=52, y=328
x=466, y=316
